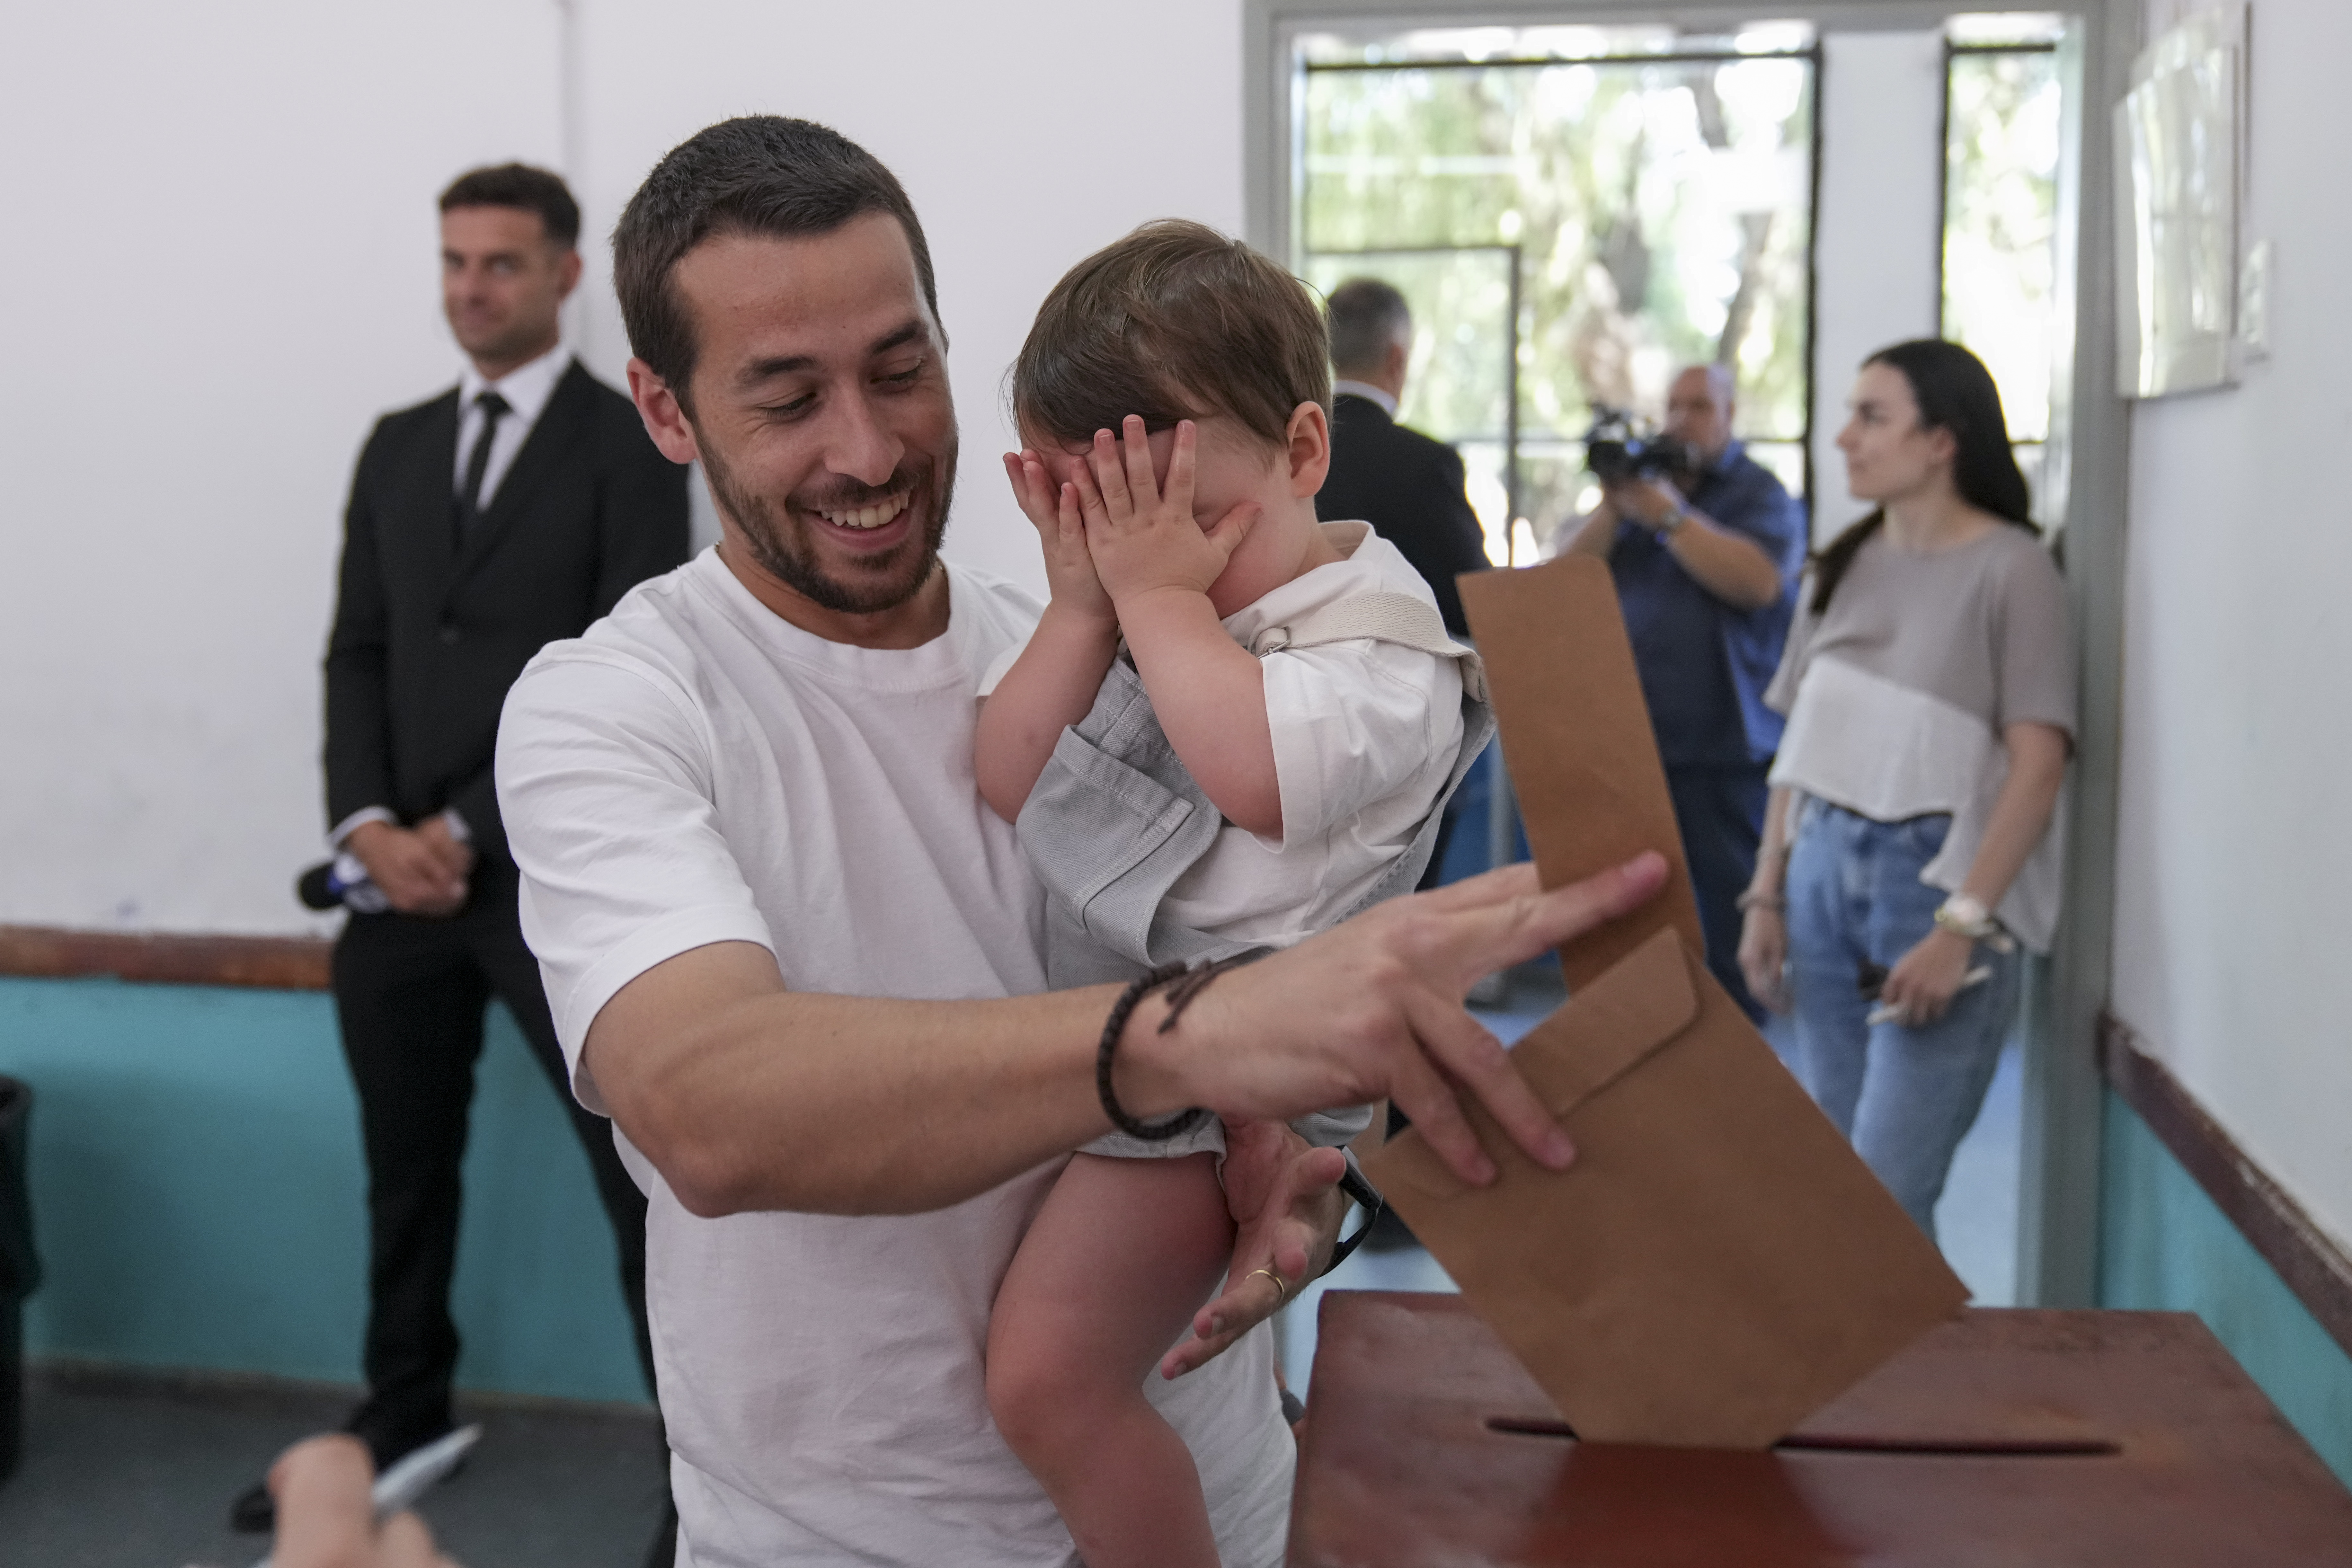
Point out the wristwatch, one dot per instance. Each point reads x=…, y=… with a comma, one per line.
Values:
x=1964, y=915
x=1670, y=524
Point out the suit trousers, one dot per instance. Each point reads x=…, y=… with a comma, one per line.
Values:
x=1720, y=811
x=410, y=994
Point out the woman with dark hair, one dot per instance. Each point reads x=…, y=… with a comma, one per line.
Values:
x=1909, y=844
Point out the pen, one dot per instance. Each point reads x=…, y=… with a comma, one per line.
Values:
x=415, y=1475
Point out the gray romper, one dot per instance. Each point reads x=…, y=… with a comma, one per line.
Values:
x=1115, y=820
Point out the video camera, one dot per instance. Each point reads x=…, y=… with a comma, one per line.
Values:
x=1617, y=448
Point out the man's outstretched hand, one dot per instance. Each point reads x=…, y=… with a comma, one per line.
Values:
x=1284, y=1200
x=1372, y=1009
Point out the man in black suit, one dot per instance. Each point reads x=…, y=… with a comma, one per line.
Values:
x=502, y=515
x=1408, y=487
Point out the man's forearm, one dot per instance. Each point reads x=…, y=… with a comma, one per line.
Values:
x=823, y=1104
x=1724, y=564
x=747, y=1097
x=358, y=752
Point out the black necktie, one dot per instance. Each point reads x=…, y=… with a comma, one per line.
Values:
x=478, y=463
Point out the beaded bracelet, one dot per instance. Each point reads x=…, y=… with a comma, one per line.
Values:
x=1188, y=983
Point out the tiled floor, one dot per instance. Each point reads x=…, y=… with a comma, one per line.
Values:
x=131, y=1473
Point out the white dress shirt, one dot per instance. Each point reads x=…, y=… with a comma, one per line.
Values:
x=526, y=388
x=1379, y=396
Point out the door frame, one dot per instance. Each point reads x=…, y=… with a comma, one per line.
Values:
x=2061, y=1115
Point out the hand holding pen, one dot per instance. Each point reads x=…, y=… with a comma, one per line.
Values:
x=332, y=1510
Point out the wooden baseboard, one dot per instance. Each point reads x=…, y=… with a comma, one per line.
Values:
x=269, y=962
x=2310, y=1262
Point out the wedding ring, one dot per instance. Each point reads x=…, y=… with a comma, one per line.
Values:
x=1281, y=1286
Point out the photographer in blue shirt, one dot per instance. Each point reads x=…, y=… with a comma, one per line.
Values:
x=1705, y=562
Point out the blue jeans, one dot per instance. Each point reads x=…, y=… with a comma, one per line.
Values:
x=1904, y=1095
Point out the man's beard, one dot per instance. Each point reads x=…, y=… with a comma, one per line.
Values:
x=778, y=542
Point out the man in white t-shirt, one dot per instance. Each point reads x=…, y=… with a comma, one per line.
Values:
x=795, y=956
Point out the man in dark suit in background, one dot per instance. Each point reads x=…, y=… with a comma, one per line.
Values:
x=1408, y=487
x=502, y=515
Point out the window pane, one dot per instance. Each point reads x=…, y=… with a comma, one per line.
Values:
x=1558, y=42
x=2000, y=210
x=1662, y=214
x=2006, y=27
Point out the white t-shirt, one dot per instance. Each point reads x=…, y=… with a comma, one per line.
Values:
x=1366, y=734
x=696, y=770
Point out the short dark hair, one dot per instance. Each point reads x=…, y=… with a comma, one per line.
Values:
x=759, y=174
x=1175, y=322
x=1365, y=316
x=519, y=185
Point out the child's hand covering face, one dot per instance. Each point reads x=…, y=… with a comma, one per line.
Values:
x=1141, y=536
x=1053, y=511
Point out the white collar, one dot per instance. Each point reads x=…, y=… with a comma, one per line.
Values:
x=526, y=388
x=1379, y=397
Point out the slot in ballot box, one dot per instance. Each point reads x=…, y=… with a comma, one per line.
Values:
x=2001, y=1438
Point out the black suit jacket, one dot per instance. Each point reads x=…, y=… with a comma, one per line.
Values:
x=1408, y=488
x=426, y=639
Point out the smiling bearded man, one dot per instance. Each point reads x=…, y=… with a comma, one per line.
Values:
x=796, y=958
x=775, y=534
x=763, y=761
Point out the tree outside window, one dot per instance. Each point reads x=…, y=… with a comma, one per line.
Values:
x=1574, y=213
x=2003, y=125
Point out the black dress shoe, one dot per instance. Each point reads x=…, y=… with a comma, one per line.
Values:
x=254, y=1512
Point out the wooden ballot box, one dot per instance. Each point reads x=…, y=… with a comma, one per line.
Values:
x=2003, y=1438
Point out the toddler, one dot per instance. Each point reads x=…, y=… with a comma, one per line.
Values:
x=1232, y=727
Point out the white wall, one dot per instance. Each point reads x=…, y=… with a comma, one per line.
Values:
x=1026, y=135
x=220, y=268
x=2234, y=938
x=1876, y=227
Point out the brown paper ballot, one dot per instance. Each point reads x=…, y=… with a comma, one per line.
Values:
x=1717, y=1264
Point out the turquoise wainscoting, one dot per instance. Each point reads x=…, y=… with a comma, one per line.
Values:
x=2164, y=1245
x=198, y=1195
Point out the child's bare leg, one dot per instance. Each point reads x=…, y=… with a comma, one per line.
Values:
x=1122, y=1255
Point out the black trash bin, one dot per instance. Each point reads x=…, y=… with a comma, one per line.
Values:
x=20, y=1268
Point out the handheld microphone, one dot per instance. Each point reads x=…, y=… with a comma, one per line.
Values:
x=341, y=883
